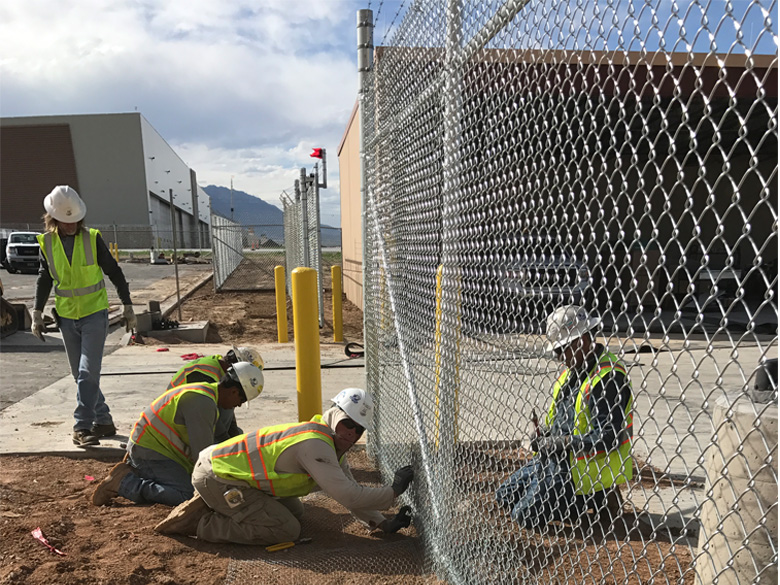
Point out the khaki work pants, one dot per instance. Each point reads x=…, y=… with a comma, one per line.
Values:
x=260, y=519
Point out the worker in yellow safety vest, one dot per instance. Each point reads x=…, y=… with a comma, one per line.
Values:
x=73, y=259
x=583, y=452
x=248, y=488
x=211, y=369
x=169, y=435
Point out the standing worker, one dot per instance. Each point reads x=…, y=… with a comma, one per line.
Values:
x=211, y=369
x=584, y=451
x=248, y=488
x=169, y=435
x=74, y=259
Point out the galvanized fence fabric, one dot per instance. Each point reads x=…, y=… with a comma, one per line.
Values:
x=302, y=229
x=621, y=157
x=245, y=255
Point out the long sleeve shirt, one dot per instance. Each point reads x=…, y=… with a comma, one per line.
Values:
x=319, y=460
x=199, y=414
x=105, y=260
x=607, y=402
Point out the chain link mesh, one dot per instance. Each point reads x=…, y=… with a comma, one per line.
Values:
x=302, y=230
x=520, y=156
x=245, y=255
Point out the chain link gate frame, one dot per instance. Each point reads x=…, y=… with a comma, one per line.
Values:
x=244, y=254
x=619, y=156
x=302, y=231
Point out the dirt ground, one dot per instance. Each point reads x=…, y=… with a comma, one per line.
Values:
x=250, y=317
x=116, y=545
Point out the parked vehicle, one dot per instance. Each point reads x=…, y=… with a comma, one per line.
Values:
x=22, y=252
x=536, y=283
x=517, y=283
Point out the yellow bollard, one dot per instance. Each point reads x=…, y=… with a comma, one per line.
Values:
x=116, y=251
x=281, y=304
x=437, y=342
x=306, y=329
x=338, y=325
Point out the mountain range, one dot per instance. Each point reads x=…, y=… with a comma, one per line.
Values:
x=266, y=219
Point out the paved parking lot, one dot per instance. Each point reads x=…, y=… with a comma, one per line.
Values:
x=28, y=365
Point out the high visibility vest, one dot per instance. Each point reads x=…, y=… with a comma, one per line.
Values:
x=79, y=288
x=207, y=365
x=601, y=470
x=156, y=429
x=252, y=457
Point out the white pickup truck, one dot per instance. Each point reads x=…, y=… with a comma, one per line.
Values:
x=21, y=252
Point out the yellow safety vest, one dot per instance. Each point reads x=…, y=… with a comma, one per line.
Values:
x=156, y=429
x=207, y=365
x=252, y=457
x=79, y=288
x=601, y=470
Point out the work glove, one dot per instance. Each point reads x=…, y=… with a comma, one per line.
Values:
x=400, y=520
x=128, y=318
x=548, y=446
x=37, y=324
x=403, y=477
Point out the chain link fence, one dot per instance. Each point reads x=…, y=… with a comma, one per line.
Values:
x=617, y=156
x=245, y=255
x=302, y=231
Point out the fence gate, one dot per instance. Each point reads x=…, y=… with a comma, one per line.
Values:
x=620, y=156
x=245, y=254
x=302, y=230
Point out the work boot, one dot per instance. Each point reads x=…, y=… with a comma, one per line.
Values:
x=98, y=431
x=85, y=438
x=184, y=518
x=109, y=487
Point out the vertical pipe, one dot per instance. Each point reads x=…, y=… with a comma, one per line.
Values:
x=318, y=253
x=305, y=217
x=175, y=253
x=338, y=327
x=306, y=331
x=365, y=55
x=281, y=304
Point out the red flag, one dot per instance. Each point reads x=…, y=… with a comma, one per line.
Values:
x=316, y=152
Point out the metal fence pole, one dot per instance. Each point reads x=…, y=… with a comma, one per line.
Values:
x=175, y=253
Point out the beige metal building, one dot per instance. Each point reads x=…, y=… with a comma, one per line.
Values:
x=127, y=174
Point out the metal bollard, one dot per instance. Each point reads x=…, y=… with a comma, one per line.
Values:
x=281, y=304
x=306, y=329
x=338, y=324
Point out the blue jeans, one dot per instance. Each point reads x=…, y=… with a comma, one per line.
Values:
x=539, y=492
x=84, y=340
x=158, y=481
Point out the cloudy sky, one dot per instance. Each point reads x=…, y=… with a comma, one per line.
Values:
x=237, y=88
x=245, y=89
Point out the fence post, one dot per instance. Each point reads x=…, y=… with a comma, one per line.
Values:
x=281, y=304
x=306, y=331
x=338, y=326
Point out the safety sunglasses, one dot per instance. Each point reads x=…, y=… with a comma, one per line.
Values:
x=242, y=395
x=351, y=424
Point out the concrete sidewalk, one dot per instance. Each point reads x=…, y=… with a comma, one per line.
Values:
x=133, y=376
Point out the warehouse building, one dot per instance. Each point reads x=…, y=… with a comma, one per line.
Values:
x=137, y=190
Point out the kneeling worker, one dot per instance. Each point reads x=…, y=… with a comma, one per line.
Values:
x=248, y=488
x=212, y=369
x=169, y=435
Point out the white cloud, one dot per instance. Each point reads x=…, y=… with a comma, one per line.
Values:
x=237, y=88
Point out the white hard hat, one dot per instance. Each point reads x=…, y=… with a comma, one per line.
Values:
x=249, y=354
x=358, y=405
x=250, y=377
x=567, y=323
x=65, y=205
